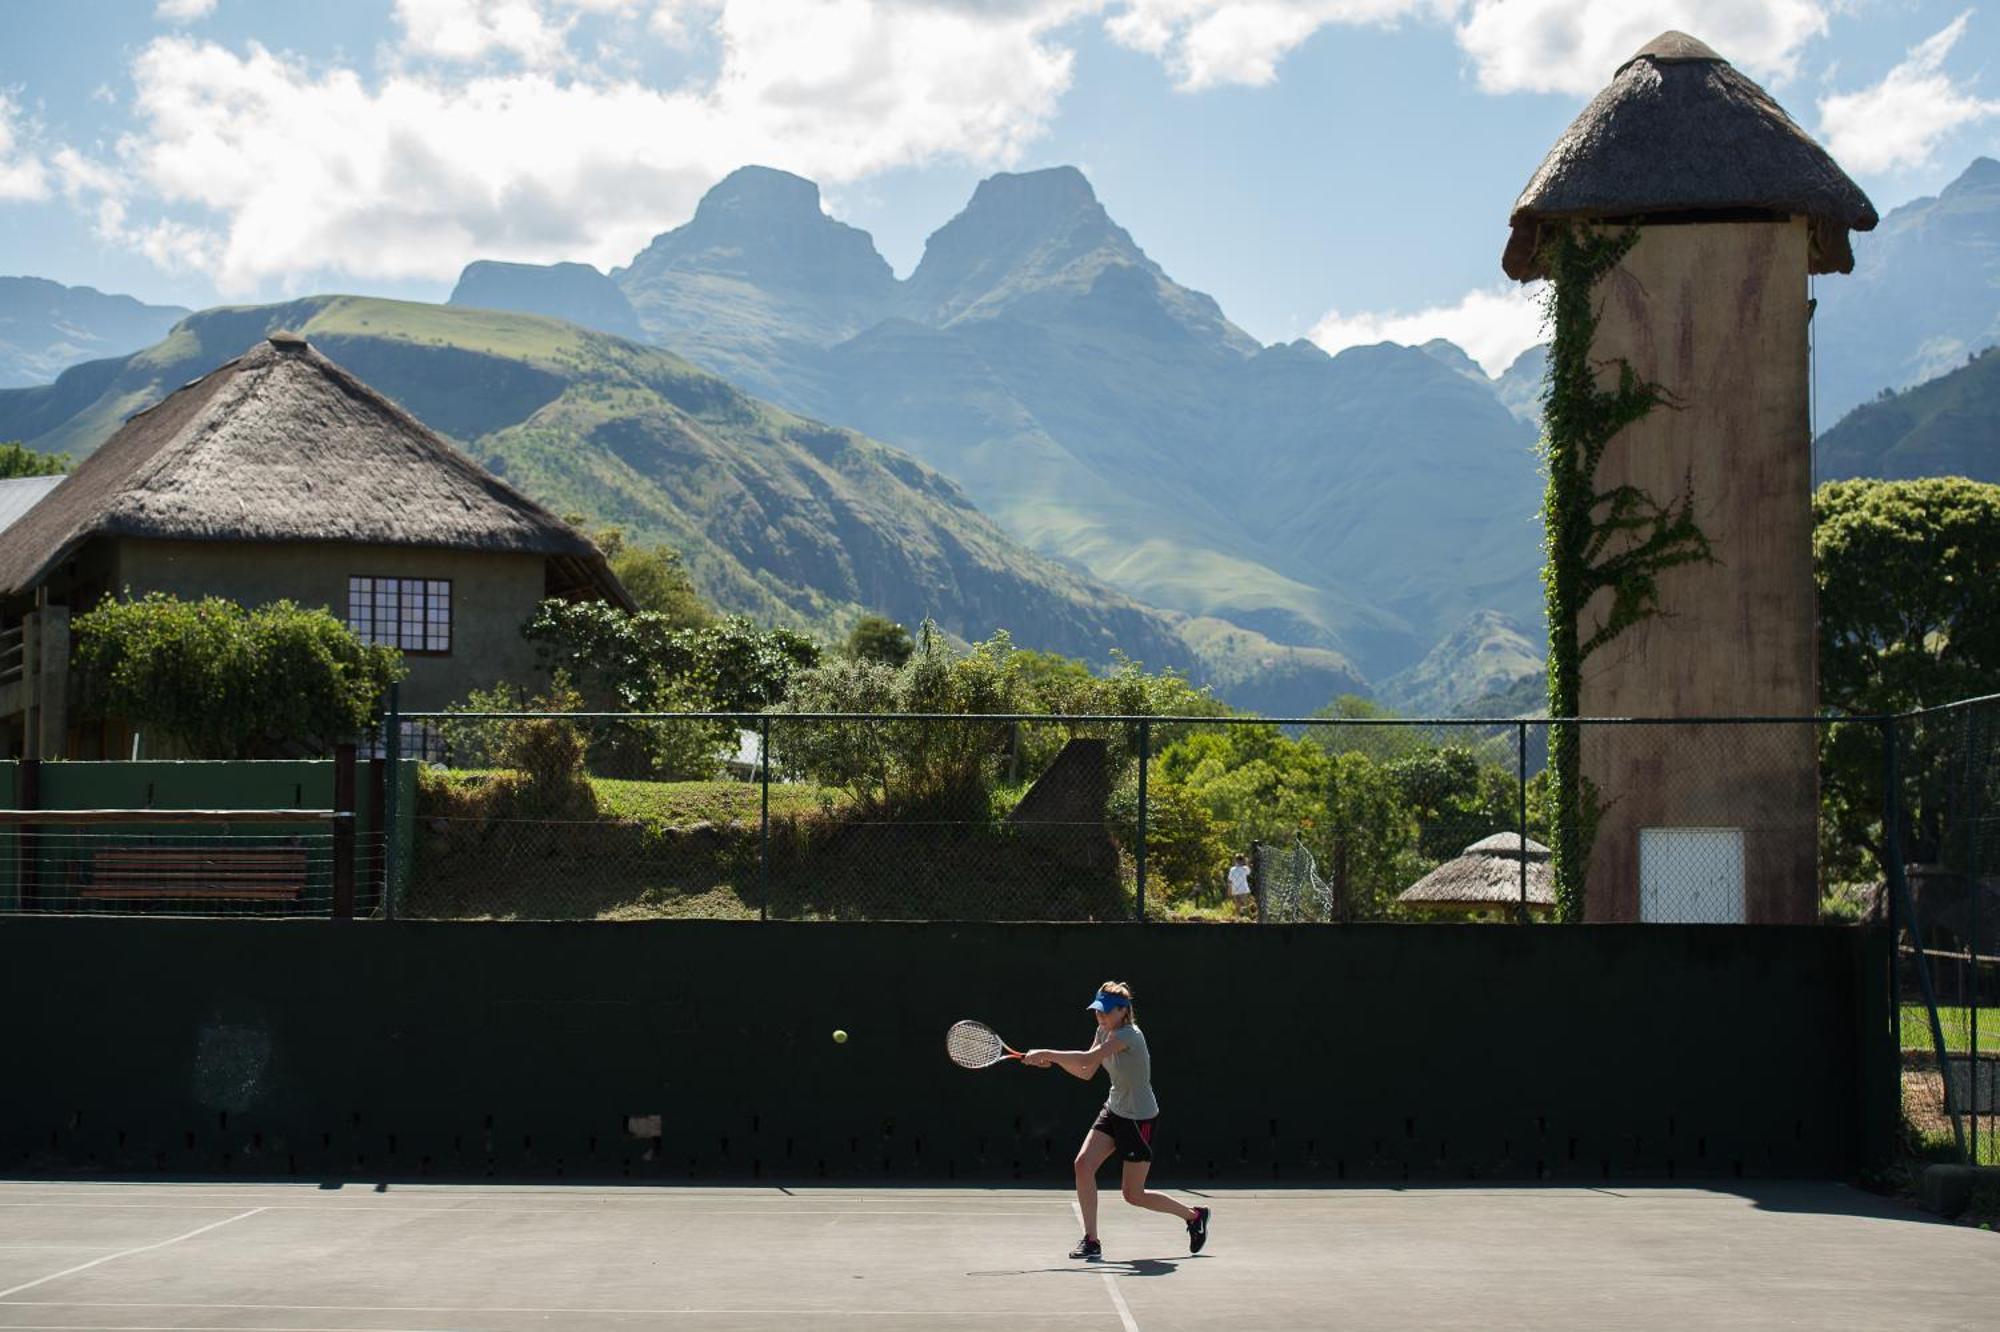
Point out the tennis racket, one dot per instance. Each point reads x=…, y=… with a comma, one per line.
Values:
x=976, y=1045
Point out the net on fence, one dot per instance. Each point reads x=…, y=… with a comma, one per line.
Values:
x=1948, y=940
x=1292, y=890
x=265, y=869
x=927, y=818
x=788, y=818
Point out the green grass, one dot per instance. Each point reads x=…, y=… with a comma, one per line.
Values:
x=693, y=849
x=719, y=802
x=1937, y=1144
x=1957, y=1025
x=497, y=333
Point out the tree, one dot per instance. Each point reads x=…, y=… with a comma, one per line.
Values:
x=1908, y=615
x=657, y=578
x=885, y=763
x=228, y=682
x=18, y=460
x=878, y=638
x=646, y=662
x=1442, y=787
x=1908, y=619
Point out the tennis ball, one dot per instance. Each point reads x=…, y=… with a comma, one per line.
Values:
x=840, y=1038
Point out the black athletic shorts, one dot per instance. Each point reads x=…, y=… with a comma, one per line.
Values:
x=1133, y=1136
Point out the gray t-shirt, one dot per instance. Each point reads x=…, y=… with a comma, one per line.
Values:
x=1131, y=1071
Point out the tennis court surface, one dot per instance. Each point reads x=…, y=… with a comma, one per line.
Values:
x=306, y=1258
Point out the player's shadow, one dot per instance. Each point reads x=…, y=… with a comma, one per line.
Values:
x=1133, y=1267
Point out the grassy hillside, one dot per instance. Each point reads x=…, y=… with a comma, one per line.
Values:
x=1949, y=426
x=1111, y=419
x=778, y=516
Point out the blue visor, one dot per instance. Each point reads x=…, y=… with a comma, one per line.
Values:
x=1106, y=1003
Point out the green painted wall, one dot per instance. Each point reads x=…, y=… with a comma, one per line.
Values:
x=376, y=1051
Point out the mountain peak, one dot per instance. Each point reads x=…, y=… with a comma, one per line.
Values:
x=1447, y=352
x=760, y=189
x=1022, y=235
x=1038, y=244
x=1982, y=175
x=574, y=292
x=765, y=228
x=1051, y=191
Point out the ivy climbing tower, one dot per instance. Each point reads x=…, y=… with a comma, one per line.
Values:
x=1679, y=219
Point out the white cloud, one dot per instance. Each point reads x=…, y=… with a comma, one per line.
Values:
x=1574, y=46
x=1569, y=46
x=1899, y=121
x=520, y=129
x=472, y=29
x=1209, y=42
x=183, y=11
x=22, y=175
x=264, y=171
x=674, y=21
x=1493, y=325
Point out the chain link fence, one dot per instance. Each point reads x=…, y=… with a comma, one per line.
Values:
x=1202, y=820
x=1890, y=821
x=1947, y=909
x=214, y=867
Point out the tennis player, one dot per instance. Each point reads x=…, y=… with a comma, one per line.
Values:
x=1125, y=1125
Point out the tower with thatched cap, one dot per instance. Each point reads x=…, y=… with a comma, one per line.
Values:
x=1734, y=207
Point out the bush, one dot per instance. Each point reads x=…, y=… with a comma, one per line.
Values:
x=18, y=460
x=227, y=682
x=650, y=663
x=545, y=774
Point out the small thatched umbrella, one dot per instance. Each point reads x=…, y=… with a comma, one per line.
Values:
x=1486, y=877
x=1679, y=135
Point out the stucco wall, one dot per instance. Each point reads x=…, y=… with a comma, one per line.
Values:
x=492, y=596
x=1716, y=314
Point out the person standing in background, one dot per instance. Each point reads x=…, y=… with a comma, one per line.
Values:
x=1239, y=883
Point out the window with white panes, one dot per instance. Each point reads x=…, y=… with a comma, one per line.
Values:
x=413, y=614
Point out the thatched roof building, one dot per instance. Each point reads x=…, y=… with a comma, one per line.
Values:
x=1679, y=135
x=282, y=445
x=1486, y=876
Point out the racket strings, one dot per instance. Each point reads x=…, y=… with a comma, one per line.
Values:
x=974, y=1045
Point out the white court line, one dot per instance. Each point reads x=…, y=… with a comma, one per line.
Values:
x=127, y=1253
x=523, y=1309
x=1125, y=1318
x=607, y=1313
x=1118, y=1302
x=364, y=1207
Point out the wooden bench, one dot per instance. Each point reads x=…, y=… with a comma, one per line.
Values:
x=141, y=872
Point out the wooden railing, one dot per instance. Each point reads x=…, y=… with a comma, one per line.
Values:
x=13, y=657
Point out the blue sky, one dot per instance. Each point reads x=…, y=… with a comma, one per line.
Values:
x=1339, y=168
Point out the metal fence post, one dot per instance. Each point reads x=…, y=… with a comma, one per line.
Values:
x=27, y=841
x=1892, y=873
x=1975, y=785
x=764, y=818
x=1521, y=778
x=392, y=744
x=343, y=832
x=1145, y=762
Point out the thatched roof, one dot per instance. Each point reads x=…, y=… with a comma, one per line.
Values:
x=1679, y=132
x=1486, y=875
x=282, y=445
